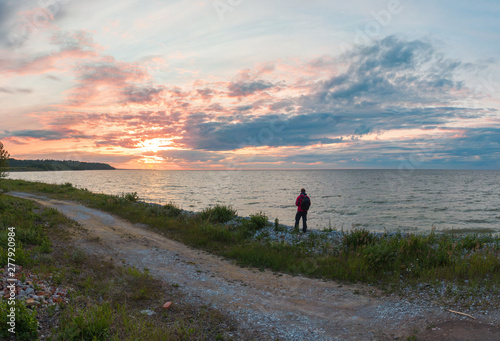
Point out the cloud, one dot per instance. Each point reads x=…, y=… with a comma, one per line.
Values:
x=71, y=47
x=206, y=94
x=15, y=90
x=110, y=72
x=46, y=135
x=481, y=142
x=391, y=85
x=41, y=64
x=243, y=89
x=151, y=122
x=112, y=82
x=190, y=156
x=270, y=130
x=352, y=109
x=19, y=20
x=146, y=95
x=386, y=73
x=75, y=40
x=54, y=78
x=126, y=129
x=114, y=140
x=7, y=9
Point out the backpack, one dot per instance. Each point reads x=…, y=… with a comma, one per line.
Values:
x=305, y=203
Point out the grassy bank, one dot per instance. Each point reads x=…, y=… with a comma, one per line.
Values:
x=456, y=266
x=106, y=301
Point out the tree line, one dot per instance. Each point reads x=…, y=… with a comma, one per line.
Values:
x=54, y=165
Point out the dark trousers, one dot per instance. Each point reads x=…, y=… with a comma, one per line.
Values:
x=304, y=220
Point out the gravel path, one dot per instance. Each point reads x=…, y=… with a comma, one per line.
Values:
x=269, y=305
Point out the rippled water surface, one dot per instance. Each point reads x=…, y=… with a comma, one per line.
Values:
x=373, y=199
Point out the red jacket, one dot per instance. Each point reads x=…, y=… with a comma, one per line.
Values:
x=298, y=201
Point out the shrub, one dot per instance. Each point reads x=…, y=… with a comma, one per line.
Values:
x=45, y=246
x=26, y=324
x=256, y=221
x=357, y=238
x=218, y=214
x=168, y=210
x=130, y=197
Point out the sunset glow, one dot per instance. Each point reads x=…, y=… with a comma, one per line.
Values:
x=182, y=85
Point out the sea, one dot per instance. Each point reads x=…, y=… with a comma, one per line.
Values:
x=377, y=200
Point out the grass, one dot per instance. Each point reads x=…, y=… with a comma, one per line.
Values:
x=31, y=240
x=106, y=299
x=427, y=257
x=469, y=262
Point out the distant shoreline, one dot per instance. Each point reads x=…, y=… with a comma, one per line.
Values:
x=54, y=165
x=17, y=170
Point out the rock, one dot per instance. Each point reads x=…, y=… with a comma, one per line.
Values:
x=167, y=305
x=148, y=312
x=30, y=302
x=41, y=293
x=30, y=291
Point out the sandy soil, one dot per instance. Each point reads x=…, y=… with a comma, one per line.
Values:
x=268, y=305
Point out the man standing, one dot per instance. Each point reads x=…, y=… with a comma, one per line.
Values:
x=303, y=203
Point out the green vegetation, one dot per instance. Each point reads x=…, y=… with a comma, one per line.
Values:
x=4, y=164
x=106, y=300
x=31, y=247
x=31, y=240
x=55, y=165
x=26, y=323
x=256, y=222
x=218, y=214
x=430, y=257
x=448, y=263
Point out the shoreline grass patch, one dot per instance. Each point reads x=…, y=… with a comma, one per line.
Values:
x=390, y=260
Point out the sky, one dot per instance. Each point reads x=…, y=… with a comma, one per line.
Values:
x=240, y=84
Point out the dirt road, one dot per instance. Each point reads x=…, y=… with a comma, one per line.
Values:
x=271, y=305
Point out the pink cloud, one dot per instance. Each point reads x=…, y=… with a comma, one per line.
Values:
x=107, y=82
